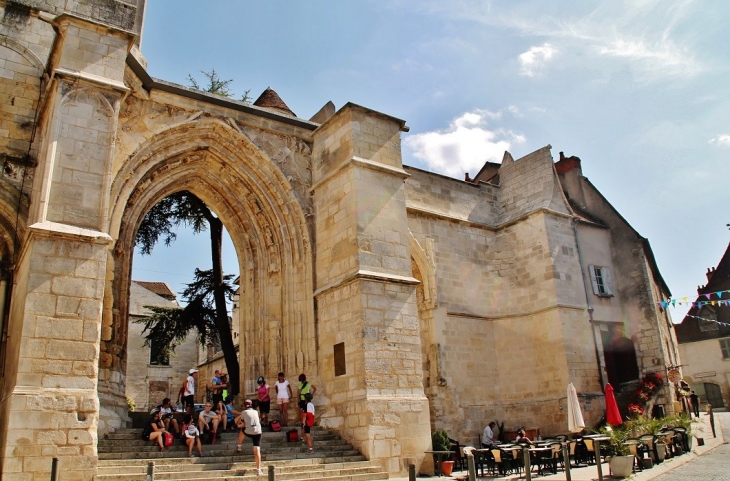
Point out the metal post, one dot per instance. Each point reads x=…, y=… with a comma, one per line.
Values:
x=598, y=460
x=712, y=420
x=566, y=462
x=526, y=461
x=471, y=467
x=54, y=469
x=151, y=471
x=272, y=474
x=411, y=472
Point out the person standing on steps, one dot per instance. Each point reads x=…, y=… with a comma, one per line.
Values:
x=249, y=425
x=308, y=421
x=264, y=400
x=189, y=395
x=305, y=387
x=283, y=396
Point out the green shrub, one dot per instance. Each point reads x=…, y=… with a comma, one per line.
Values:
x=440, y=440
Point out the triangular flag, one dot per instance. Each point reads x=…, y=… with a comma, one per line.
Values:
x=719, y=295
x=664, y=304
x=684, y=299
x=713, y=302
x=708, y=296
x=674, y=302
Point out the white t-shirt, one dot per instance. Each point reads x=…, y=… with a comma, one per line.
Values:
x=192, y=431
x=208, y=415
x=250, y=418
x=488, y=436
x=190, y=388
x=282, y=390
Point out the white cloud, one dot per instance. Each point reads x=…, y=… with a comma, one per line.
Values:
x=534, y=59
x=464, y=146
x=722, y=140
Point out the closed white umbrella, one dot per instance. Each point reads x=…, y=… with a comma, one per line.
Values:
x=575, y=416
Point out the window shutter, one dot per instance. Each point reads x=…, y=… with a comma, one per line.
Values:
x=592, y=272
x=607, y=283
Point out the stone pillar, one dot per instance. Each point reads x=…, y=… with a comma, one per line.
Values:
x=369, y=336
x=50, y=405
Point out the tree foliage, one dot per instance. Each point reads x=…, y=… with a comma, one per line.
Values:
x=216, y=85
x=169, y=326
x=206, y=309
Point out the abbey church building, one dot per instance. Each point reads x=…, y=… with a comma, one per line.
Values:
x=413, y=301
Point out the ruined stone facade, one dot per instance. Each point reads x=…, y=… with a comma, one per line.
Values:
x=413, y=301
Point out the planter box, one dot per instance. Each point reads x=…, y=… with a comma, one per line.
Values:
x=621, y=466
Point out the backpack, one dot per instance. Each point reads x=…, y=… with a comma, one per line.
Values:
x=309, y=419
x=169, y=439
x=275, y=426
x=206, y=437
x=292, y=436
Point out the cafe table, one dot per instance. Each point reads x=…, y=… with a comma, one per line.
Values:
x=438, y=458
x=597, y=445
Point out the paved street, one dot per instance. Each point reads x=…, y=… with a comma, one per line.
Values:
x=712, y=466
x=707, y=463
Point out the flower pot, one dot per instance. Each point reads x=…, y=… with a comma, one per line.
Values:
x=621, y=466
x=447, y=467
x=661, y=450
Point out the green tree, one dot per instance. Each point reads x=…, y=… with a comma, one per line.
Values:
x=206, y=309
x=217, y=85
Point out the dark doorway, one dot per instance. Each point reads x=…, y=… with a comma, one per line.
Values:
x=714, y=395
x=620, y=356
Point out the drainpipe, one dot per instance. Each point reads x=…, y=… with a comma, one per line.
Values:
x=598, y=344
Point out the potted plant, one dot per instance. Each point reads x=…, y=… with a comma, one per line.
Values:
x=441, y=442
x=620, y=459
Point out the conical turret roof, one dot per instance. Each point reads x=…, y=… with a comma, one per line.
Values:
x=270, y=99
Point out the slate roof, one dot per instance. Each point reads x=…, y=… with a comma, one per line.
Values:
x=159, y=288
x=139, y=296
x=270, y=99
x=689, y=330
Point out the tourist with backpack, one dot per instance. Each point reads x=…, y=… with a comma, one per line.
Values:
x=249, y=425
x=192, y=436
x=308, y=421
x=154, y=429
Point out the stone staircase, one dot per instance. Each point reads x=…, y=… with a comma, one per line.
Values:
x=124, y=455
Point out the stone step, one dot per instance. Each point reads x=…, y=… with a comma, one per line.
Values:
x=124, y=456
x=305, y=470
x=147, y=446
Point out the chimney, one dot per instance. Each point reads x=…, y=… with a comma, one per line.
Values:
x=709, y=274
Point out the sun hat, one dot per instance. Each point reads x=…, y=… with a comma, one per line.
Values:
x=192, y=371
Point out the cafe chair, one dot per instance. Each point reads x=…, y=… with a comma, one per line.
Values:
x=458, y=455
x=590, y=451
x=649, y=440
x=556, y=457
x=637, y=449
x=562, y=437
x=684, y=438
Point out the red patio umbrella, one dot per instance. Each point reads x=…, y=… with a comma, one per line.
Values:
x=613, y=417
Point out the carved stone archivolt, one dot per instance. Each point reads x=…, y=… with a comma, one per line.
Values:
x=260, y=207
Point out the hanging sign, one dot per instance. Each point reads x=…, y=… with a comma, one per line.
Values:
x=673, y=375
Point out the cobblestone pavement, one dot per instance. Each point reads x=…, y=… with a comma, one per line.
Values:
x=711, y=466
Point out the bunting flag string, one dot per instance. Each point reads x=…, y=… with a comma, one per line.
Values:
x=710, y=320
x=718, y=298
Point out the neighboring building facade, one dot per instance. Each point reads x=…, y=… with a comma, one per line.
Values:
x=704, y=338
x=411, y=300
x=156, y=376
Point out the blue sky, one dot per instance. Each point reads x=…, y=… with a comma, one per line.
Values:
x=638, y=90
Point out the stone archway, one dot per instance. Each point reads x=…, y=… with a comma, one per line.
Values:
x=267, y=225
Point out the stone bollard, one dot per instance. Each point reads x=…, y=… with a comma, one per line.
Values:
x=150, y=471
x=272, y=473
x=411, y=472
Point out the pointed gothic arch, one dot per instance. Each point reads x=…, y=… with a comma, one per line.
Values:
x=267, y=225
